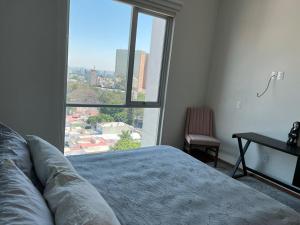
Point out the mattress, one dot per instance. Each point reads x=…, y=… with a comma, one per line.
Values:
x=162, y=185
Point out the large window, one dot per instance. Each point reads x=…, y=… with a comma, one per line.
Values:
x=117, y=66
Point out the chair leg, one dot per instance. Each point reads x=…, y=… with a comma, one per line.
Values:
x=216, y=156
x=206, y=150
x=188, y=148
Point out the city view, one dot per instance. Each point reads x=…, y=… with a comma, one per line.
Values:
x=90, y=129
x=98, y=76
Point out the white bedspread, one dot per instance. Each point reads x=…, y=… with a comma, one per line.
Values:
x=163, y=186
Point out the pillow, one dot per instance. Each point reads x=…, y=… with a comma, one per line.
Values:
x=47, y=159
x=21, y=202
x=14, y=147
x=71, y=198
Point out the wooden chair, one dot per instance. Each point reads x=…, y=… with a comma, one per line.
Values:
x=199, y=131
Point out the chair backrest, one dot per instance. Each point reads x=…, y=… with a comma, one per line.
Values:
x=199, y=121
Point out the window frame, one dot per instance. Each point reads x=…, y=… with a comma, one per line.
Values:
x=129, y=103
x=134, y=23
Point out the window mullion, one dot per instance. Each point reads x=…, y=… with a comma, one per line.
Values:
x=165, y=61
x=164, y=74
x=133, y=29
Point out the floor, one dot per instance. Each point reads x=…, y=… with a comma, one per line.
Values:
x=257, y=184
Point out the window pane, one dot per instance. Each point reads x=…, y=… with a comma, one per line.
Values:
x=90, y=130
x=98, y=32
x=148, y=58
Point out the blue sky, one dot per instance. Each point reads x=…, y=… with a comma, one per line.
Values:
x=99, y=27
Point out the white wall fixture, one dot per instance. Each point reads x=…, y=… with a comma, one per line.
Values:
x=280, y=75
x=238, y=104
x=274, y=76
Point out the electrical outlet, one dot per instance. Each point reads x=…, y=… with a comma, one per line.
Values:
x=280, y=75
x=238, y=104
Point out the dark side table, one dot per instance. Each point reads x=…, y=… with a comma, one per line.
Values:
x=273, y=144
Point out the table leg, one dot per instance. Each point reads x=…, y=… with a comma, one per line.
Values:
x=296, y=180
x=241, y=158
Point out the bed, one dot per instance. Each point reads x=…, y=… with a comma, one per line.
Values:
x=163, y=185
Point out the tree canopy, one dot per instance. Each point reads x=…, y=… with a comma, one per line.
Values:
x=99, y=119
x=126, y=142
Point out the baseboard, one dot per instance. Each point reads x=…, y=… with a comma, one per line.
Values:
x=229, y=159
x=275, y=185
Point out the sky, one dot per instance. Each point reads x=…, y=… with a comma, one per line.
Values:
x=98, y=27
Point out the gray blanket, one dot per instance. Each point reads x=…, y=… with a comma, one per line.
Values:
x=163, y=186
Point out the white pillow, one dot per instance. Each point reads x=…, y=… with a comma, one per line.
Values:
x=76, y=202
x=20, y=201
x=47, y=159
x=71, y=198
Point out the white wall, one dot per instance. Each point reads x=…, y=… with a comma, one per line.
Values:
x=31, y=66
x=189, y=65
x=253, y=39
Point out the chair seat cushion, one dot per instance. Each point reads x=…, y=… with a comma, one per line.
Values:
x=196, y=139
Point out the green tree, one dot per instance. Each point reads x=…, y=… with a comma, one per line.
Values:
x=92, y=120
x=125, y=135
x=111, y=97
x=119, y=114
x=126, y=142
x=99, y=119
x=111, y=111
x=105, y=118
x=73, y=86
x=120, y=117
x=130, y=116
x=141, y=96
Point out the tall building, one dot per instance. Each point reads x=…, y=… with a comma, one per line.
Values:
x=93, y=77
x=140, y=64
x=139, y=70
x=121, y=62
